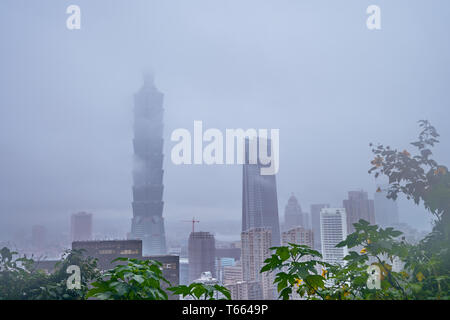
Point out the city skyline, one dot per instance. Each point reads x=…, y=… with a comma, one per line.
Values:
x=224, y=150
x=315, y=91
x=227, y=231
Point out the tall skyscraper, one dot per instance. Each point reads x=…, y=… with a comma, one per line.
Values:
x=315, y=221
x=201, y=254
x=81, y=226
x=386, y=210
x=358, y=206
x=255, y=249
x=333, y=229
x=293, y=215
x=259, y=197
x=148, y=222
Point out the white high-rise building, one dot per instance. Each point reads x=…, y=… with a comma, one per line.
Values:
x=240, y=289
x=232, y=274
x=255, y=250
x=298, y=235
x=333, y=229
x=243, y=290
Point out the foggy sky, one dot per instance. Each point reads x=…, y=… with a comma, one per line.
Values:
x=309, y=68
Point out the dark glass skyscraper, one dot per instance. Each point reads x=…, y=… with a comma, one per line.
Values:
x=259, y=198
x=148, y=223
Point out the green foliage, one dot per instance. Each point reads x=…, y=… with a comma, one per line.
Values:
x=199, y=291
x=379, y=247
x=300, y=267
x=142, y=280
x=425, y=181
x=426, y=270
x=134, y=280
x=56, y=288
x=296, y=270
x=20, y=279
x=417, y=176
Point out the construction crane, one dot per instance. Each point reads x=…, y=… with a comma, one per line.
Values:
x=193, y=221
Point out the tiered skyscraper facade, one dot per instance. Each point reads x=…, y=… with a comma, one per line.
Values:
x=148, y=222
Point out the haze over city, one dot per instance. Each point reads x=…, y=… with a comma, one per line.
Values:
x=310, y=69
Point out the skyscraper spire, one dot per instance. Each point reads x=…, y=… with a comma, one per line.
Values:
x=148, y=222
x=293, y=215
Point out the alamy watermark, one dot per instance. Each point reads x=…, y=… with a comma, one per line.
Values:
x=374, y=20
x=374, y=279
x=261, y=149
x=74, y=280
x=73, y=22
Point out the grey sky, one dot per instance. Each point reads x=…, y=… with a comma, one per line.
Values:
x=310, y=68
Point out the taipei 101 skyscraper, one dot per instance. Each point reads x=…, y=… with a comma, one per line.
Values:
x=148, y=222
